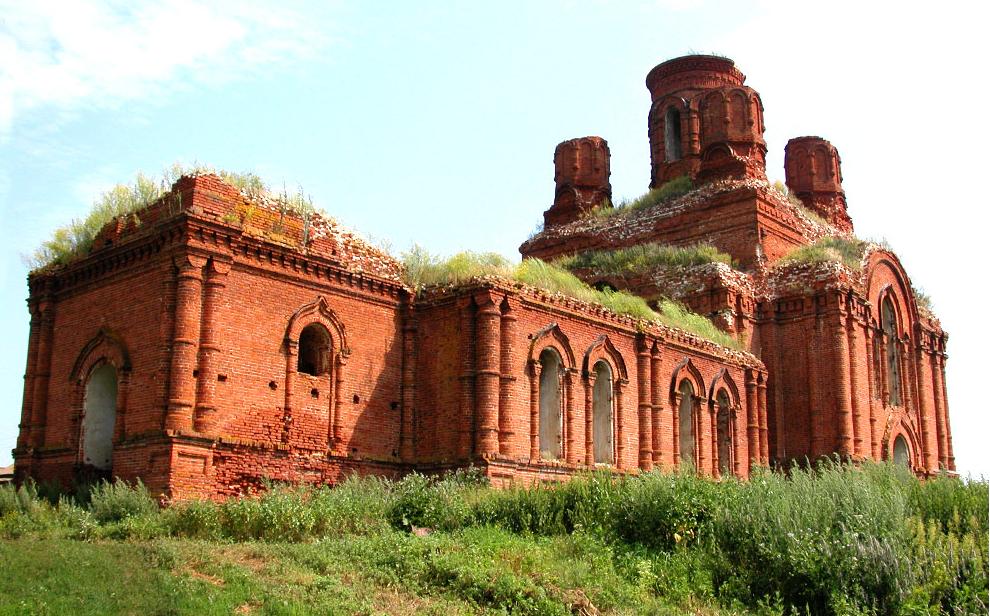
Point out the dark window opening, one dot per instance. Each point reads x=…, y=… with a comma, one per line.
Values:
x=314, y=350
x=892, y=353
x=672, y=135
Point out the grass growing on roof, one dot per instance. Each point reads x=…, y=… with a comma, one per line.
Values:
x=676, y=315
x=75, y=239
x=643, y=258
x=848, y=251
x=423, y=269
x=668, y=191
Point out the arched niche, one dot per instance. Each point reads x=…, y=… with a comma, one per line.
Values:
x=724, y=433
x=316, y=351
x=603, y=413
x=686, y=422
x=99, y=382
x=551, y=397
x=99, y=417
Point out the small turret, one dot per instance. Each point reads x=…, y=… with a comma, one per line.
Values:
x=814, y=174
x=581, y=172
x=704, y=122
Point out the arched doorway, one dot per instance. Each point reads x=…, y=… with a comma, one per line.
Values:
x=99, y=417
x=902, y=455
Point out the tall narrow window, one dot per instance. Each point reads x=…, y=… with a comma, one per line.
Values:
x=314, y=350
x=901, y=454
x=686, y=422
x=550, y=407
x=723, y=432
x=99, y=417
x=892, y=353
x=672, y=134
x=602, y=421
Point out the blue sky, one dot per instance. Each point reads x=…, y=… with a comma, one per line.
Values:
x=435, y=122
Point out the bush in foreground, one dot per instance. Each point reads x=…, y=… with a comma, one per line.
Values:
x=833, y=539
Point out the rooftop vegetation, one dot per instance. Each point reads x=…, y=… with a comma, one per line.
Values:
x=668, y=191
x=75, y=240
x=846, y=250
x=423, y=269
x=796, y=202
x=643, y=258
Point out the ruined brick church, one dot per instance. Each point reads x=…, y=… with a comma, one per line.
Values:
x=224, y=341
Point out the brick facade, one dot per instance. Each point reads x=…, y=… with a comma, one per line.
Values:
x=249, y=343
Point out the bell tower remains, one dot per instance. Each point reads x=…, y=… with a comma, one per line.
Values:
x=581, y=172
x=814, y=174
x=704, y=122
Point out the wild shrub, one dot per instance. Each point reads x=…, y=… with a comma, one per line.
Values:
x=664, y=511
x=816, y=536
x=583, y=504
x=428, y=502
x=955, y=504
x=196, y=519
x=112, y=502
x=356, y=506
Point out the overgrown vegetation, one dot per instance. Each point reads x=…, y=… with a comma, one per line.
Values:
x=75, y=239
x=846, y=250
x=868, y=539
x=677, y=187
x=423, y=269
x=643, y=258
x=796, y=202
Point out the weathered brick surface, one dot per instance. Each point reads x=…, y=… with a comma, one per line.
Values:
x=207, y=303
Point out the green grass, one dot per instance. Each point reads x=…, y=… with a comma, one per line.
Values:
x=75, y=240
x=643, y=258
x=677, y=187
x=423, y=270
x=676, y=315
x=848, y=251
x=835, y=539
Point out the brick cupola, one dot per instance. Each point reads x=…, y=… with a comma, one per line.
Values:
x=814, y=174
x=581, y=172
x=704, y=122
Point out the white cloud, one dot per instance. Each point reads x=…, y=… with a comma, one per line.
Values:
x=61, y=56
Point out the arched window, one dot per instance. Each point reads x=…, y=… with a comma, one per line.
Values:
x=99, y=417
x=314, y=350
x=723, y=432
x=602, y=411
x=686, y=421
x=892, y=354
x=902, y=455
x=550, y=404
x=672, y=135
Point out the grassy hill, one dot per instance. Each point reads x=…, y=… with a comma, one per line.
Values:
x=832, y=540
